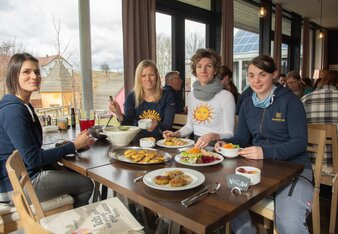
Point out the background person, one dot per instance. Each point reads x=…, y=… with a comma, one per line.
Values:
x=147, y=100
x=275, y=119
x=321, y=106
x=282, y=79
x=173, y=84
x=20, y=129
x=294, y=82
x=211, y=109
x=225, y=75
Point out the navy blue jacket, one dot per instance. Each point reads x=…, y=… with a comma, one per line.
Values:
x=280, y=129
x=177, y=97
x=163, y=111
x=20, y=130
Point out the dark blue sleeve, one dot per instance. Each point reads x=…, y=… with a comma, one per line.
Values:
x=18, y=125
x=129, y=110
x=169, y=111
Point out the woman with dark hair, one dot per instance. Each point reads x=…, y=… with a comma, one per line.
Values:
x=20, y=129
x=211, y=109
x=275, y=120
x=225, y=75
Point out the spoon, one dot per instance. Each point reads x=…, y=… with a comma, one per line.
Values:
x=211, y=188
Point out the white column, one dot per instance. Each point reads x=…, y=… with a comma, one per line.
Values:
x=85, y=55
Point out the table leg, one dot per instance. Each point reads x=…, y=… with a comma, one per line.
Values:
x=104, y=192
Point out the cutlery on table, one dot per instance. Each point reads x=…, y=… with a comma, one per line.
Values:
x=138, y=178
x=211, y=188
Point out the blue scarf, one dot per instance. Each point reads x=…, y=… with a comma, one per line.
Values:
x=266, y=102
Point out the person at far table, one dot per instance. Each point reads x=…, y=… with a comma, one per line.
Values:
x=276, y=120
x=20, y=129
x=321, y=106
x=147, y=100
x=211, y=108
x=282, y=79
x=225, y=75
x=173, y=83
x=294, y=82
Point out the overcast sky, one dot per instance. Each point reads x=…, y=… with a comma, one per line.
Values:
x=30, y=24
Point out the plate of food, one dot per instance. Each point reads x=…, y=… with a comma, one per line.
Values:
x=198, y=158
x=174, y=142
x=173, y=179
x=138, y=155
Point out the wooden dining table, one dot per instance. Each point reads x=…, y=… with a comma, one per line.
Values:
x=205, y=216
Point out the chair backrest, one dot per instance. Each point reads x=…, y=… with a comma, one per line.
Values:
x=21, y=182
x=316, y=141
x=29, y=223
x=331, y=139
x=179, y=121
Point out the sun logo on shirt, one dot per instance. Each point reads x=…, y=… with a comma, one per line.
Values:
x=203, y=113
x=150, y=114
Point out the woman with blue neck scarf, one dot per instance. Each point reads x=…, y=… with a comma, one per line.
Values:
x=211, y=109
x=276, y=120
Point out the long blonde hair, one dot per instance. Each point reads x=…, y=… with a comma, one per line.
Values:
x=138, y=90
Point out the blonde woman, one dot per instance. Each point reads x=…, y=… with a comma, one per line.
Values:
x=147, y=100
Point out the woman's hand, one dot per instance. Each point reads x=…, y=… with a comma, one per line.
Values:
x=218, y=146
x=252, y=152
x=167, y=134
x=204, y=140
x=82, y=140
x=115, y=108
x=154, y=124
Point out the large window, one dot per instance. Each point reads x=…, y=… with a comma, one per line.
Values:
x=55, y=30
x=194, y=39
x=163, y=43
x=189, y=30
x=246, y=45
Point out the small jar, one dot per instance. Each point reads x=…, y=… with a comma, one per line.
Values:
x=62, y=123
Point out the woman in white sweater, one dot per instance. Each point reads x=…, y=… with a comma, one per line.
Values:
x=211, y=109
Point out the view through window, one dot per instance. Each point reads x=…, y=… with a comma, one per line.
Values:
x=55, y=31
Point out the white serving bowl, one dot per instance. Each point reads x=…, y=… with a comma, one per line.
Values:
x=120, y=137
x=253, y=173
x=229, y=153
x=147, y=142
x=144, y=123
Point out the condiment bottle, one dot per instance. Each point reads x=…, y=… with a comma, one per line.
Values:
x=49, y=120
x=72, y=118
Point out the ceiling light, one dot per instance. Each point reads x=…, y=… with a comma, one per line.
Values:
x=262, y=12
x=321, y=33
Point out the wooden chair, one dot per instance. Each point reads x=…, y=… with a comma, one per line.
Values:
x=62, y=222
x=28, y=222
x=179, y=121
x=9, y=217
x=330, y=173
x=265, y=208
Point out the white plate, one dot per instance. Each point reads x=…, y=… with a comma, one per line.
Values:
x=189, y=143
x=221, y=158
x=118, y=154
x=197, y=179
